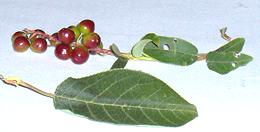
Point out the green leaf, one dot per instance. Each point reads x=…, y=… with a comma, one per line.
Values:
x=177, y=51
x=137, y=50
x=124, y=97
x=153, y=37
x=120, y=63
x=115, y=50
x=224, y=62
x=235, y=45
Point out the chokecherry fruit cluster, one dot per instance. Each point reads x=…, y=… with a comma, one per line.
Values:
x=73, y=42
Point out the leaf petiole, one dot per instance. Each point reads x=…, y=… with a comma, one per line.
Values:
x=16, y=81
x=202, y=56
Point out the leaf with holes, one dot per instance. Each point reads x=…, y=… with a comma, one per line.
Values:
x=179, y=51
x=224, y=62
x=124, y=97
x=235, y=45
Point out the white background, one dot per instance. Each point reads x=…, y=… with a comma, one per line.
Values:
x=224, y=102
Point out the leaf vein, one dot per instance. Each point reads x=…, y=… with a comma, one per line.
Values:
x=129, y=116
x=107, y=113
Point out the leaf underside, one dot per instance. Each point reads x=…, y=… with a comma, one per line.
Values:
x=119, y=63
x=124, y=97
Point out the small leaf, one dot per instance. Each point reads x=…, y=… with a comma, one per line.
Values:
x=179, y=51
x=120, y=63
x=153, y=37
x=235, y=45
x=137, y=50
x=115, y=50
x=124, y=97
x=224, y=62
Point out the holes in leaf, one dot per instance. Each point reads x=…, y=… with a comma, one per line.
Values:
x=233, y=64
x=166, y=47
x=237, y=55
x=175, y=40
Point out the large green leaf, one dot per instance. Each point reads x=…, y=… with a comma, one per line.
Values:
x=124, y=97
x=224, y=62
x=177, y=51
x=235, y=45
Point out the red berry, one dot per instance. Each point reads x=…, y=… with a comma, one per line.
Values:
x=79, y=55
x=39, y=45
x=66, y=35
x=21, y=44
x=18, y=34
x=86, y=26
x=63, y=51
x=91, y=40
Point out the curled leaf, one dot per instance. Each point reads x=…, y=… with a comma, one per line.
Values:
x=224, y=35
x=155, y=38
x=115, y=50
x=137, y=50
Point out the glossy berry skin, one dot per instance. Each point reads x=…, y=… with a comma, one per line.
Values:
x=63, y=51
x=76, y=31
x=86, y=26
x=18, y=34
x=66, y=35
x=91, y=40
x=39, y=45
x=79, y=55
x=21, y=44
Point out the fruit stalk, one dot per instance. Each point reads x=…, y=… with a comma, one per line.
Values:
x=35, y=33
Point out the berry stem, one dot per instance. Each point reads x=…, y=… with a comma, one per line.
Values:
x=16, y=81
x=201, y=56
x=35, y=33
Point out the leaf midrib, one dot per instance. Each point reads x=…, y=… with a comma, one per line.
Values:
x=194, y=55
x=225, y=62
x=132, y=106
